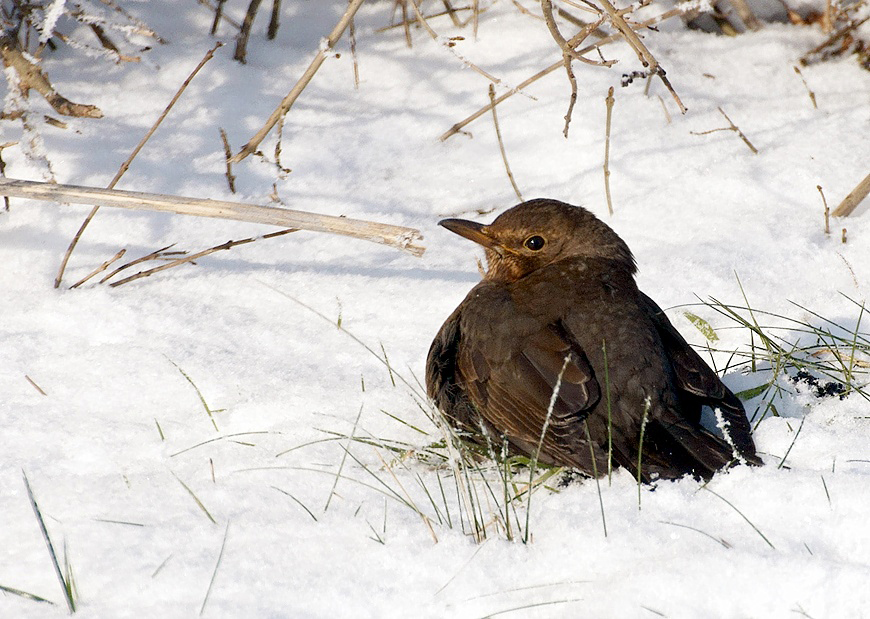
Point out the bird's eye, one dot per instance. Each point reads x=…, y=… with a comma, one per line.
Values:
x=535, y=243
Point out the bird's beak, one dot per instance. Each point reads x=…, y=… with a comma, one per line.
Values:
x=473, y=231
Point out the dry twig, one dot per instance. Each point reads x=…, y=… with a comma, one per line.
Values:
x=196, y=256
x=807, y=86
x=851, y=201
x=395, y=236
x=553, y=67
x=287, y=102
x=100, y=268
x=228, y=154
x=124, y=166
x=434, y=35
x=501, y=145
x=609, y=101
x=827, y=210
x=731, y=127
x=245, y=32
x=30, y=76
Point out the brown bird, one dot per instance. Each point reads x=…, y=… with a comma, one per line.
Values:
x=557, y=353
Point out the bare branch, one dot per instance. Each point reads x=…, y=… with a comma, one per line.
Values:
x=124, y=166
x=287, y=102
x=850, y=202
x=396, y=236
x=30, y=76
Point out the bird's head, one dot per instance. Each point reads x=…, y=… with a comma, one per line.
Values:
x=540, y=232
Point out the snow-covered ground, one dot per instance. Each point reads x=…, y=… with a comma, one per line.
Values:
x=120, y=441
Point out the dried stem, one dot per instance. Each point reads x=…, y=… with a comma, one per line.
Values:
x=218, y=13
x=192, y=257
x=228, y=154
x=272, y=32
x=553, y=67
x=157, y=254
x=731, y=127
x=807, y=86
x=124, y=166
x=245, y=32
x=30, y=76
x=501, y=145
x=352, y=34
x=645, y=56
x=609, y=101
x=434, y=35
x=294, y=93
x=827, y=210
x=452, y=12
x=100, y=268
x=396, y=236
x=851, y=201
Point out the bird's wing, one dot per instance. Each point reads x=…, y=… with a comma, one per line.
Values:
x=518, y=387
x=441, y=378
x=701, y=385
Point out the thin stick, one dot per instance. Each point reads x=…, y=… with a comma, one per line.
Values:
x=396, y=236
x=245, y=31
x=99, y=269
x=437, y=39
x=553, y=67
x=126, y=164
x=807, y=86
x=228, y=153
x=285, y=105
x=352, y=35
x=154, y=255
x=827, y=210
x=851, y=201
x=196, y=256
x=609, y=102
x=645, y=56
x=34, y=385
x=501, y=144
x=731, y=127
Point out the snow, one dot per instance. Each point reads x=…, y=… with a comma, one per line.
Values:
x=121, y=366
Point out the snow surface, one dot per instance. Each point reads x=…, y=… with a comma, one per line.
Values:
x=695, y=209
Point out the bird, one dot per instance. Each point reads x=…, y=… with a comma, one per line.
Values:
x=556, y=355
